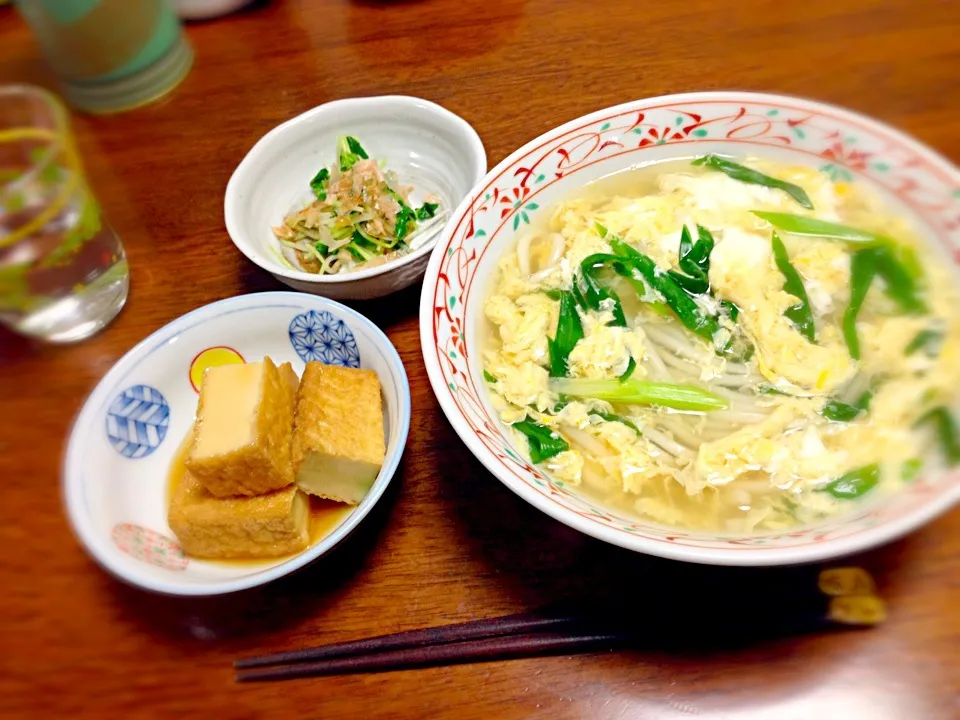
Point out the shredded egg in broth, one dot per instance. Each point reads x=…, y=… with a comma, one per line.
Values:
x=725, y=345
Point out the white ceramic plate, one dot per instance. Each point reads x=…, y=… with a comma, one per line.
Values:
x=124, y=439
x=428, y=147
x=842, y=144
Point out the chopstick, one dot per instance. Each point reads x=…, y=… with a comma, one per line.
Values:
x=517, y=624
x=843, y=598
x=494, y=648
x=503, y=638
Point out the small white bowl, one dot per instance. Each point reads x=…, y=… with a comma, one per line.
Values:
x=428, y=147
x=517, y=192
x=126, y=436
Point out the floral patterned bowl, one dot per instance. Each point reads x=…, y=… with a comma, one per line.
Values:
x=115, y=473
x=840, y=143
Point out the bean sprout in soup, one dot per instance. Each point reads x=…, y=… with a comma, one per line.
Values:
x=724, y=345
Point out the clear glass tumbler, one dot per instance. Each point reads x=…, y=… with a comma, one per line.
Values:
x=63, y=271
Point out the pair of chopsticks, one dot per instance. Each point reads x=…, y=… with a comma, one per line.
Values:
x=841, y=597
x=500, y=638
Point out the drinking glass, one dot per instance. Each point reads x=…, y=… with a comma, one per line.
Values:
x=63, y=271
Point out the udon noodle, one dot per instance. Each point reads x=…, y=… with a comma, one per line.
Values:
x=725, y=347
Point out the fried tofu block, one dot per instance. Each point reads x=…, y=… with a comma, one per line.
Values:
x=243, y=432
x=289, y=376
x=270, y=525
x=338, y=439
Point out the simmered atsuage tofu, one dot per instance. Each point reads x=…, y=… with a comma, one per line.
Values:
x=263, y=526
x=242, y=435
x=338, y=443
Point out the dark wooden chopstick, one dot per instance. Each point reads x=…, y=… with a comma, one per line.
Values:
x=494, y=648
x=459, y=632
x=842, y=598
x=511, y=637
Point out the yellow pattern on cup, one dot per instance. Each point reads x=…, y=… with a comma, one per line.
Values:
x=69, y=160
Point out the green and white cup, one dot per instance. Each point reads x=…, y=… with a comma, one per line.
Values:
x=110, y=55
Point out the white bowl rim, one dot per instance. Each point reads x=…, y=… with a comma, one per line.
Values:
x=742, y=556
x=72, y=485
x=474, y=145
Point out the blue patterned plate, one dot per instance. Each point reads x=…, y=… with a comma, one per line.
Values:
x=122, y=445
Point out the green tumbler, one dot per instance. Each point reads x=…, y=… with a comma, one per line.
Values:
x=110, y=55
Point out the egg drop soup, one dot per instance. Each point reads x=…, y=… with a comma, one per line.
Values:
x=725, y=344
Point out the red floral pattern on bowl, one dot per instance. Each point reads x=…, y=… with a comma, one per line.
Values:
x=842, y=144
x=149, y=546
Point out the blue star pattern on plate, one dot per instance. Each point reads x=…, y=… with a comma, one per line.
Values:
x=137, y=421
x=318, y=335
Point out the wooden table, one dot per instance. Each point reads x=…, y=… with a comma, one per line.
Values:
x=450, y=543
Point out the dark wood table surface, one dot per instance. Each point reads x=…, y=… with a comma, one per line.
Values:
x=449, y=542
